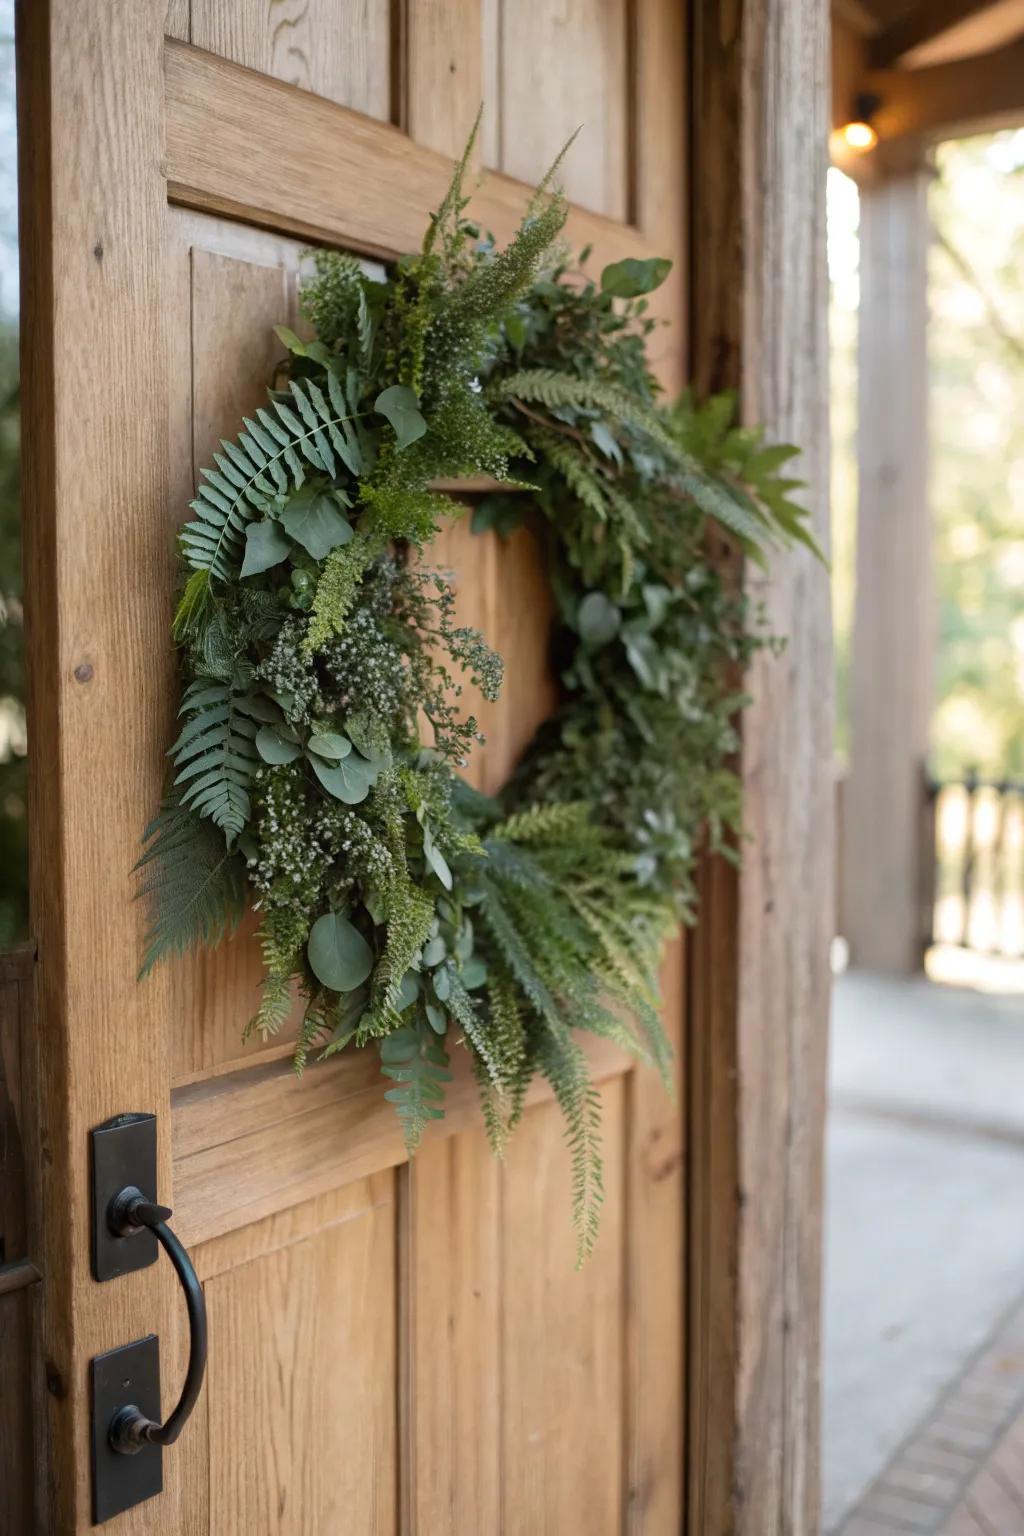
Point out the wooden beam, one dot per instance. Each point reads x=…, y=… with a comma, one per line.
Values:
x=250, y=1143
x=854, y=14
x=945, y=30
x=969, y=96
x=229, y=164
x=890, y=704
x=759, y=965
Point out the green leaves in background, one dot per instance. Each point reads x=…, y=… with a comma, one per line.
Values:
x=598, y=619
x=632, y=277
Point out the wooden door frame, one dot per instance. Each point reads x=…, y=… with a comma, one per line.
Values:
x=759, y=962
x=95, y=175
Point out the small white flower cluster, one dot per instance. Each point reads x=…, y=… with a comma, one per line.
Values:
x=366, y=668
x=306, y=845
x=289, y=672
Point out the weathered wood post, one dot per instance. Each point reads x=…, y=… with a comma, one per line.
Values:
x=893, y=638
x=759, y=966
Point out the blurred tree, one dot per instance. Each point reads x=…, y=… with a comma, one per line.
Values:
x=977, y=447
x=13, y=831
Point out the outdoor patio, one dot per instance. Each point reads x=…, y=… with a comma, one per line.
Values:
x=924, y=1329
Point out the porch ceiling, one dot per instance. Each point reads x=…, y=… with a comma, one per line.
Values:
x=938, y=68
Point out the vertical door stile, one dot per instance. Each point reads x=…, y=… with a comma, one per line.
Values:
x=97, y=571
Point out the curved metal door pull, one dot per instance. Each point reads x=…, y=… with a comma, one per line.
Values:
x=130, y=1212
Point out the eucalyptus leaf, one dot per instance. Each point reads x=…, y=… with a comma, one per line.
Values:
x=312, y=349
x=442, y=981
x=348, y=780
x=629, y=278
x=598, y=619
x=436, y=859
x=312, y=519
x=265, y=546
x=408, y=991
x=273, y=748
x=329, y=744
x=439, y=864
x=434, y=952
x=400, y=406
x=474, y=973
x=436, y=1018
x=339, y=956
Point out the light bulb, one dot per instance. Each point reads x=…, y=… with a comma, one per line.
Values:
x=860, y=137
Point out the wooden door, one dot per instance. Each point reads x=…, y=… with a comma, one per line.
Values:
x=392, y=1348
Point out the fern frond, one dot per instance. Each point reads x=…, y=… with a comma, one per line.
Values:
x=337, y=590
x=564, y=1065
x=507, y=1039
x=194, y=886
x=576, y=467
x=215, y=755
x=409, y=916
x=275, y=1006
x=559, y=821
x=257, y=467
x=414, y=1059
x=316, y=1026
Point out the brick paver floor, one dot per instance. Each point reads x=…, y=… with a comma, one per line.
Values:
x=961, y=1471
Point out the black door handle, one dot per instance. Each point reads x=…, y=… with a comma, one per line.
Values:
x=129, y=1212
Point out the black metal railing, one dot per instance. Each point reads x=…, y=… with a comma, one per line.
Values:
x=974, y=875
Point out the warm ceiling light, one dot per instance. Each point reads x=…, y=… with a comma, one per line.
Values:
x=859, y=137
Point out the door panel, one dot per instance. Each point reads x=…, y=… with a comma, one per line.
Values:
x=393, y=1348
x=302, y=1372
x=340, y=49
x=562, y=1337
x=572, y=56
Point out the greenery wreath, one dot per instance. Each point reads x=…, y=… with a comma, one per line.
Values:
x=317, y=767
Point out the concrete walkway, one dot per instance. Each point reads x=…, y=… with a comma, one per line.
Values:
x=924, y=1209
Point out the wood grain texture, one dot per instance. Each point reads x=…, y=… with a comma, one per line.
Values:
x=654, y=1301
x=659, y=159
x=760, y=979
x=97, y=573
x=563, y=1340
x=945, y=30
x=221, y=161
x=572, y=56
x=442, y=54
x=254, y=1141
x=338, y=49
x=451, y=1387
x=233, y=306
x=302, y=1372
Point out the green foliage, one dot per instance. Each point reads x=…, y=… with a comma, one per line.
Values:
x=200, y=884
x=307, y=427
x=215, y=754
x=323, y=732
x=417, y=1062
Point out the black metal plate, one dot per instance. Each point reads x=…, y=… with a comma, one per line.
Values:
x=123, y=1152
x=130, y=1374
